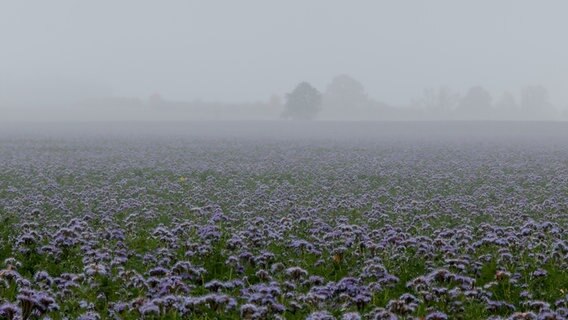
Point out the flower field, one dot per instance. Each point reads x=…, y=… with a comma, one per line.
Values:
x=95, y=228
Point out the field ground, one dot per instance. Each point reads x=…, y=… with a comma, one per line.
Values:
x=279, y=220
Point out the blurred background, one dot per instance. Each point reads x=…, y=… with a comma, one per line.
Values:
x=269, y=60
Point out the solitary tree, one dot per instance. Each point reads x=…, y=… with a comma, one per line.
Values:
x=303, y=103
x=345, y=93
x=476, y=104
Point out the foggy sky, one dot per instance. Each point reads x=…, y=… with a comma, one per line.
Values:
x=247, y=50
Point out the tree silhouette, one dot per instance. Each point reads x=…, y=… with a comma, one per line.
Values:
x=345, y=93
x=303, y=103
x=476, y=104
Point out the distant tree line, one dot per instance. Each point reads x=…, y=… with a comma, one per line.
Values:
x=346, y=97
x=303, y=103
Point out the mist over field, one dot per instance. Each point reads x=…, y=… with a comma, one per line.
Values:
x=270, y=160
x=217, y=60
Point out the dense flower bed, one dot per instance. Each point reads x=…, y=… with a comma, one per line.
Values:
x=203, y=229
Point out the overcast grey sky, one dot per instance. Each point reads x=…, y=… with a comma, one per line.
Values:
x=247, y=50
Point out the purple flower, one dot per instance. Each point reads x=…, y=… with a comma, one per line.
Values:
x=9, y=311
x=320, y=315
